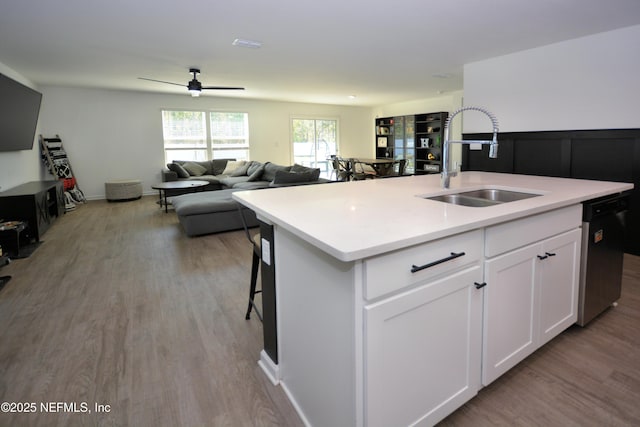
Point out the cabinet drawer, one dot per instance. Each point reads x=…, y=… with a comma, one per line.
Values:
x=521, y=232
x=393, y=271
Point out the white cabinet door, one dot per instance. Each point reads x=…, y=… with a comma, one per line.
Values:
x=531, y=296
x=558, y=283
x=422, y=351
x=510, y=326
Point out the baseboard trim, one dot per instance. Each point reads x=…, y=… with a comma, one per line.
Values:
x=271, y=370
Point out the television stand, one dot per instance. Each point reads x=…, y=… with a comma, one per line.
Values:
x=38, y=203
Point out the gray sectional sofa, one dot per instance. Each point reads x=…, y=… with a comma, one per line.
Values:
x=229, y=173
x=215, y=211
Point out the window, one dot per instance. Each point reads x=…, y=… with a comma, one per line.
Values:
x=314, y=141
x=200, y=135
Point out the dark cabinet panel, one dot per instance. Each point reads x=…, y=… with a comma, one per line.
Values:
x=479, y=159
x=540, y=157
x=602, y=159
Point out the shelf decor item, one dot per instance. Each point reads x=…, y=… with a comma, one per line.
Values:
x=382, y=141
x=424, y=142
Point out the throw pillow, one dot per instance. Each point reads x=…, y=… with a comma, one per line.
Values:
x=254, y=167
x=218, y=165
x=232, y=165
x=299, y=168
x=194, y=169
x=270, y=171
x=284, y=177
x=178, y=169
x=256, y=174
x=241, y=170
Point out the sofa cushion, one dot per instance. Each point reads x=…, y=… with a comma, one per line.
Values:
x=178, y=169
x=283, y=177
x=270, y=171
x=299, y=168
x=231, y=181
x=204, y=202
x=319, y=181
x=194, y=169
x=211, y=212
x=209, y=178
x=204, y=163
x=253, y=185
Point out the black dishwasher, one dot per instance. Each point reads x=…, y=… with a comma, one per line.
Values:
x=603, y=228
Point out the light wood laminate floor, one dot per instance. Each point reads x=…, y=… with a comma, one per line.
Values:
x=118, y=307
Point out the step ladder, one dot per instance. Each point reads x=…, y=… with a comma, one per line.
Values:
x=57, y=162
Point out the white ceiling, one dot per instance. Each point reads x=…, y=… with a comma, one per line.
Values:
x=313, y=51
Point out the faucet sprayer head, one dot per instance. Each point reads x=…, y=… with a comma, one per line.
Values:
x=493, y=147
x=493, y=150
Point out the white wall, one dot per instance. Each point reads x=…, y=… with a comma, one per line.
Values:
x=446, y=102
x=587, y=83
x=112, y=134
x=18, y=167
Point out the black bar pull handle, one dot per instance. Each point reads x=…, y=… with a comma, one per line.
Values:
x=543, y=256
x=480, y=285
x=415, y=268
x=550, y=254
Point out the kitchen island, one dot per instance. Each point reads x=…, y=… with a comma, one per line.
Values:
x=393, y=309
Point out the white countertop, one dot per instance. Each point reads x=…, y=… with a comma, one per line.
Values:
x=359, y=219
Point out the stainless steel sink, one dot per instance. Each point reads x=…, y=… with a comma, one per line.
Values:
x=459, y=199
x=482, y=198
x=498, y=195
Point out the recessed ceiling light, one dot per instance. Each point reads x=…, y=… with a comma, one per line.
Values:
x=251, y=44
x=352, y=97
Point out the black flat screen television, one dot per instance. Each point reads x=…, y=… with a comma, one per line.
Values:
x=19, y=109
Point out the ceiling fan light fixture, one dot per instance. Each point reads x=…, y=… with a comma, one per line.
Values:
x=251, y=44
x=194, y=87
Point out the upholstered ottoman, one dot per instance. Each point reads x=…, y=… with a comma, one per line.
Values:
x=211, y=212
x=123, y=190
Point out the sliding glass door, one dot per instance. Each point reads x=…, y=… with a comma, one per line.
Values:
x=314, y=141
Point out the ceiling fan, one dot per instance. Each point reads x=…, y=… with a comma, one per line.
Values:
x=194, y=86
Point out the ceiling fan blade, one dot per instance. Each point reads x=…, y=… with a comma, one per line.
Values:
x=162, y=81
x=223, y=88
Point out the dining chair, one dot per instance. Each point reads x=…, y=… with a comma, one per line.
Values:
x=335, y=167
x=397, y=168
x=345, y=169
x=254, y=239
x=362, y=170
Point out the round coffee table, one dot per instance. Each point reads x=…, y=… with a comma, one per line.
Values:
x=191, y=184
